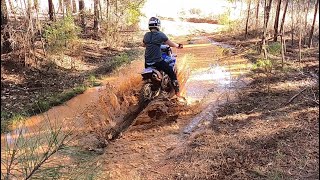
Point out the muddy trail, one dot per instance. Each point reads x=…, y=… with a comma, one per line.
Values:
x=164, y=126
x=115, y=137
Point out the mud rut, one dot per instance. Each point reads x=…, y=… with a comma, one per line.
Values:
x=141, y=145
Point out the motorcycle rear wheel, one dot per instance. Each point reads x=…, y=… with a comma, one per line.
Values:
x=147, y=93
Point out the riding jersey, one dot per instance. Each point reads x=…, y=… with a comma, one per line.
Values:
x=153, y=41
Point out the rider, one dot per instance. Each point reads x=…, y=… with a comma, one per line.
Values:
x=152, y=41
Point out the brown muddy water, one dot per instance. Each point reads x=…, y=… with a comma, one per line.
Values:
x=207, y=78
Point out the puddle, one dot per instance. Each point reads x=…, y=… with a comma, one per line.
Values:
x=213, y=85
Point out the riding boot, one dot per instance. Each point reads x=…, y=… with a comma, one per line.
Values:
x=176, y=86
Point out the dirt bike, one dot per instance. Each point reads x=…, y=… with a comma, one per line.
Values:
x=157, y=82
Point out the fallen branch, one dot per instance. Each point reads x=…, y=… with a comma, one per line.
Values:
x=296, y=95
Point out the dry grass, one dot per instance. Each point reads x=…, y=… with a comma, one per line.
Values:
x=258, y=136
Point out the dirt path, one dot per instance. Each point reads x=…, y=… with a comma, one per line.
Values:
x=162, y=129
x=141, y=152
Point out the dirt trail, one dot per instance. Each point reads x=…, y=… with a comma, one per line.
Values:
x=142, y=151
x=159, y=130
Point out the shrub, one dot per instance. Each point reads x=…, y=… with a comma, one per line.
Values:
x=265, y=64
x=274, y=48
x=224, y=18
x=61, y=34
x=122, y=58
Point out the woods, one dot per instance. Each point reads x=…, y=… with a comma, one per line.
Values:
x=76, y=65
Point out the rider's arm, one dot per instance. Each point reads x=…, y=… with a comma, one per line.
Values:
x=171, y=44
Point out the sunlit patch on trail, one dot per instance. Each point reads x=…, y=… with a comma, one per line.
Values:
x=217, y=74
x=201, y=83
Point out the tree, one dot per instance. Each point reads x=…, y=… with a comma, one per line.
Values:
x=74, y=6
x=4, y=14
x=51, y=10
x=306, y=21
x=81, y=10
x=267, y=7
x=284, y=16
x=276, y=22
x=257, y=13
x=6, y=46
x=292, y=22
x=314, y=21
x=96, y=15
x=68, y=7
x=60, y=7
x=247, y=22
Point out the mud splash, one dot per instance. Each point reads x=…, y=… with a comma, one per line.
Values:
x=93, y=111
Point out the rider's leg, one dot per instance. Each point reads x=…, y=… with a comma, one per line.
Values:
x=164, y=66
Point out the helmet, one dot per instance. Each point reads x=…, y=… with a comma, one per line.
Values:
x=154, y=23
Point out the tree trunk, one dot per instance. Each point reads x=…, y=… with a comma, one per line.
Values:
x=36, y=5
x=108, y=6
x=96, y=15
x=276, y=22
x=51, y=10
x=100, y=10
x=306, y=23
x=247, y=22
x=61, y=7
x=4, y=21
x=4, y=14
x=292, y=23
x=257, y=13
x=68, y=7
x=267, y=8
x=268, y=12
x=314, y=21
x=81, y=10
x=282, y=51
x=284, y=16
x=300, y=32
x=74, y=6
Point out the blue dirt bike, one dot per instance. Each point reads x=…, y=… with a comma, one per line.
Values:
x=157, y=82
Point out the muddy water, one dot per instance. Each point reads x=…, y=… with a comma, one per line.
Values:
x=213, y=80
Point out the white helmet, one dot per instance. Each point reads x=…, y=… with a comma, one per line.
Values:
x=154, y=23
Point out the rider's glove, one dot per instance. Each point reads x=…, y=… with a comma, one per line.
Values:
x=180, y=46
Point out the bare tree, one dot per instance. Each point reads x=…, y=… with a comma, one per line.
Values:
x=61, y=7
x=6, y=46
x=314, y=21
x=100, y=10
x=257, y=13
x=292, y=22
x=247, y=22
x=81, y=10
x=51, y=10
x=284, y=16
x=68, y=6
x=4, y=14
x=96, y=15
x=300, y=31
x=74, y=6
x=267, y=7
x=306, y=22
x=276, y=22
